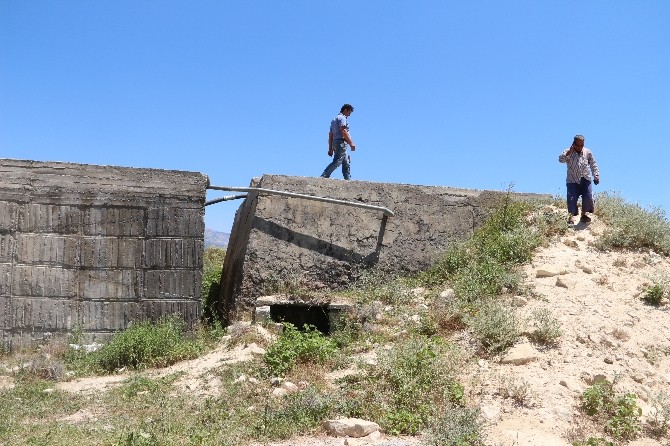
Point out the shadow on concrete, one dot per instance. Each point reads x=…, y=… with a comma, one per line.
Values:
x=315, y=244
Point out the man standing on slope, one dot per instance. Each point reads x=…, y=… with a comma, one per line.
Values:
x=338, y=138
x=579, y=160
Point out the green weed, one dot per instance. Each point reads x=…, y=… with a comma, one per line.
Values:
x=654, y=294
x=148, y=344
x=593, y=441
x=294, y=346
x=659, y=421
x=484, y=265
x=620, y=413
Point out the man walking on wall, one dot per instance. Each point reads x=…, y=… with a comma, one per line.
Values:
x=338, y=138
x=579, y=160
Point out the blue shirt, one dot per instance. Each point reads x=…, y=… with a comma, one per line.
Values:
x=335, y=125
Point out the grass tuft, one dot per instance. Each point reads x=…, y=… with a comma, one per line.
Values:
x=294, y=346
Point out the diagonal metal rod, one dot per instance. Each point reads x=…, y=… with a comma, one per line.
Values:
x=386, y=211
x=226, y=198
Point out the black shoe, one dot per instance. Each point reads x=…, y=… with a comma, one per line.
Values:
x=585, y=219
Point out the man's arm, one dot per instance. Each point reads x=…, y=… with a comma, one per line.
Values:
x=330, y=143
x=563, y=157
x=347, y=137
x=594, y=168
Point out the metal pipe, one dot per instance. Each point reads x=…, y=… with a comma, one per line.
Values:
x=226, y=198
x=386, y=211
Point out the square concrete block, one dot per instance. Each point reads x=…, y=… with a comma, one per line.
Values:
x=43, y=314
x=48, y=249
x=53, y=218
x=8, y=216
x=44, y=281
x=175, y=222
x=173, y=253
x=111, y=285
x=7, y=247
x=6, y=270
x=172, y=284
x=114, y=221
x=111, y=252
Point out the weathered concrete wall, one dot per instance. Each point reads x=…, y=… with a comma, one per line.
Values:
x=96, y=247
x=327, y=245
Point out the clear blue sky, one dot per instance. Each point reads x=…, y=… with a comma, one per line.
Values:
x=471, y=94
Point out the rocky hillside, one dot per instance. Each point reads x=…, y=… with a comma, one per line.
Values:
x=608, y=331
x=532, y=396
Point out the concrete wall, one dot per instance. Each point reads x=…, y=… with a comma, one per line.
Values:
x=96, y=247
x=326, y=245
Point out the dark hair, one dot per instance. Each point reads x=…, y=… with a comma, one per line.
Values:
x=347, y=107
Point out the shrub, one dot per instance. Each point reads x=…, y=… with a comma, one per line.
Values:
x=598, y=398
x=146, y=344
x=404, y=390
x=495, y=327
x=518, y=390
x=294, y=414
x=660, y=417
x=294, y=346
x=483, y=266
x=375, y=285
x=483, y=279
x=547, y=328
x=631, y=226
x=621, y=414
x=457, y=427
x=654, y=294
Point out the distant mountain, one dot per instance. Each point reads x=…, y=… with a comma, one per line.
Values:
x=216, y=238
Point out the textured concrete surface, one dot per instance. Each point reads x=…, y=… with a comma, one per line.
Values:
x=96, y=247
x=276, y=238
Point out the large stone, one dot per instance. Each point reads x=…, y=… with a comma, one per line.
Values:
x=549, y=271
x=350, y=427
x=520, y=354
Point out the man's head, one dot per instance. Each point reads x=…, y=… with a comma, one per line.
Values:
x=578, y=143
x=347, y=109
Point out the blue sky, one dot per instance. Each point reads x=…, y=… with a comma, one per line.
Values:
x=472, y=94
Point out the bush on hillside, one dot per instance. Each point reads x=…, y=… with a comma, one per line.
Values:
x=629, y=226
x=407, y=387
x=484, y=265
